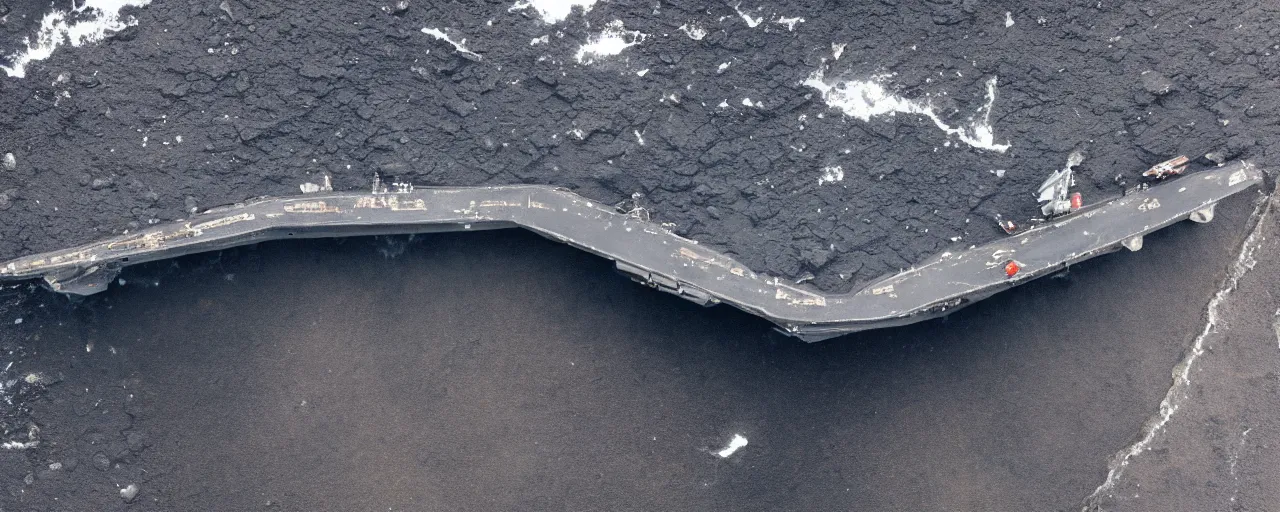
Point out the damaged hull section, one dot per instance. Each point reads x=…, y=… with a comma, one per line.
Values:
x=652, y=255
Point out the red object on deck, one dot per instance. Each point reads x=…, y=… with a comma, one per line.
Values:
x=1011, y=268
x=1077, y=201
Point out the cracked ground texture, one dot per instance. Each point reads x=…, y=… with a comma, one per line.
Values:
x=267, y=96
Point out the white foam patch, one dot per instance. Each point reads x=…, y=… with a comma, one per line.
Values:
x=1008, y=19
x=751, y=22
x=831, y=174
x=694, y=31
x=460, y=46
x=553, y=11
x=837, y=50
x=790, y=23
x=96, y=19
x=734, y=445
x=865, y=99
x=611, y=41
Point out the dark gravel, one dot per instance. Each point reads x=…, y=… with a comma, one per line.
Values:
x=268, y=96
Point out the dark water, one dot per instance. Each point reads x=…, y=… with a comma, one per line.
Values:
x=500, y=371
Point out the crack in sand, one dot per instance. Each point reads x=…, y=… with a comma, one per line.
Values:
x=1177, y=392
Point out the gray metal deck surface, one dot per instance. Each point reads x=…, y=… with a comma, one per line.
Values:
x=653, y=255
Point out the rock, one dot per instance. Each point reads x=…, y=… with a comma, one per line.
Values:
x=191, y=204
x=312, y=70
x=816, y=258
x=176, y=90
x=248, y=133
x=136, y=441
x=1156, y=83
x=10, y=161
x=459, y=106
x=101, y=461
x=87, y=81
x=129, y=492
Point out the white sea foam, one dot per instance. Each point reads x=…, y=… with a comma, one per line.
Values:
x=91, y=22
x=867, y=99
